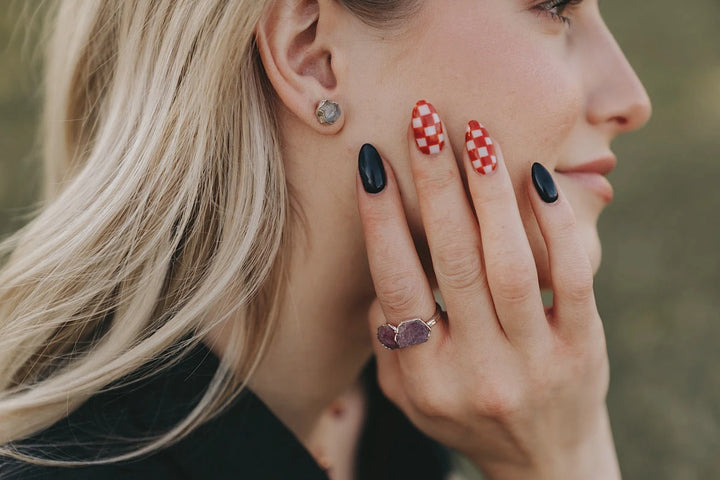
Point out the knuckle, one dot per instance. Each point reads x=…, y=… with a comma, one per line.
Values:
x=431, y=404
x=436, y=180
x=576, y=283
x=580, y=293
x=460, y=268
x=376, y=217
x=514, y=282
x=397, y=293
x=500, y=403
x=493, y=199
x=566, y=223
x=584, y=361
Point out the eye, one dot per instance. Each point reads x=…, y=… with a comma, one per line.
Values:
x=555, y=9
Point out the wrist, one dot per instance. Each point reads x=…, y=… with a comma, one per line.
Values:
x=593, y=459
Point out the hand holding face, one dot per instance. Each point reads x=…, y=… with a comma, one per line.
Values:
x=517, y=387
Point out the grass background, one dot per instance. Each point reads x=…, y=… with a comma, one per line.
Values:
x=659, y=286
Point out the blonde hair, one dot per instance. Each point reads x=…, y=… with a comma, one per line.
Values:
x=167, y=211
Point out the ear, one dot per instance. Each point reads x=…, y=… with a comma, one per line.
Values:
x=294, y=45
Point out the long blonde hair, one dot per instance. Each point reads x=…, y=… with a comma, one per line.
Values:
x=167, y=211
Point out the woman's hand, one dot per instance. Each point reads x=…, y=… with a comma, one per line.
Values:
x=518, y=388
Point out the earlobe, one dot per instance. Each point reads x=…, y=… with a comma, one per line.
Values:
x=298, y=60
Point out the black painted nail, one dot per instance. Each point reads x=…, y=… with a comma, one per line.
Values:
x=372, y=172
x=544, y=183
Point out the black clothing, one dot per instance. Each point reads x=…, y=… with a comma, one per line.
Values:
x=247, y=441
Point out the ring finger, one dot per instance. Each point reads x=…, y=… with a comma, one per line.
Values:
x=509, y=261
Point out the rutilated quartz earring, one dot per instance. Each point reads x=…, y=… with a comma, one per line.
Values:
x=327, y=112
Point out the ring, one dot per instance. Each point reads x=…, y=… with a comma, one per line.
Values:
x=410, y=332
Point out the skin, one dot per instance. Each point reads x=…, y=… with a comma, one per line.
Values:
x=547, y=93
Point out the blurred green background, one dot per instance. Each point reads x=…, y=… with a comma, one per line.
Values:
x=659, y=286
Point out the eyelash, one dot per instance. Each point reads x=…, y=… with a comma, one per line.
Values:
x=546, y=8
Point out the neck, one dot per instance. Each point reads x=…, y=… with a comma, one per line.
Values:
x=324, y=340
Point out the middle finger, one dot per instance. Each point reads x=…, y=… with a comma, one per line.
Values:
x=452, y=232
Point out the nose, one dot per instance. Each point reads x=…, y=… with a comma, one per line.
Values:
x=617, y=99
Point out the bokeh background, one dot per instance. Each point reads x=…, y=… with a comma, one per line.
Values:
x=658, y=289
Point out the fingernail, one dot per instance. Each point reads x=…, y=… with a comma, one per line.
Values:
x=544, y=183
x=372, y=172
x=428, y=129
x=481, y=148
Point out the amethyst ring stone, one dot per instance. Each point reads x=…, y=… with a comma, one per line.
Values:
x=410, y=332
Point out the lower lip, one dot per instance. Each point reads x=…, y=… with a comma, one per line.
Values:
x=593, y=181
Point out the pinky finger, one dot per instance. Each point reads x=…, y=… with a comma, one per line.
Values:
x=570, y=268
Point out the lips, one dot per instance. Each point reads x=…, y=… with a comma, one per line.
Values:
x=591, y=175
x=594, y=182
x=602, y=166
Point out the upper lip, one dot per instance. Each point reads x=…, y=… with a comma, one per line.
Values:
x=602, y=165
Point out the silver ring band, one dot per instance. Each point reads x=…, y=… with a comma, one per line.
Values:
x=438, y=313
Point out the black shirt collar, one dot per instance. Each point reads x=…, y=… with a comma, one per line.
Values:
x=246, y=440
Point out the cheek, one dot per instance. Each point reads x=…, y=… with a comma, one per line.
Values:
x=496, y=69
x=528, y=96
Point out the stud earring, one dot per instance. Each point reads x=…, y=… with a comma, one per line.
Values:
x=327, y=112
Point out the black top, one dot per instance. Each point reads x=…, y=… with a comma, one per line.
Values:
x=247, y=441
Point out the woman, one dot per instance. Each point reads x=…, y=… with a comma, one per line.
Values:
x=203, y=200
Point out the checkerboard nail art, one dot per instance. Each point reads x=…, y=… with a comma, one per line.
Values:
x=480, y=148
x=428, y=129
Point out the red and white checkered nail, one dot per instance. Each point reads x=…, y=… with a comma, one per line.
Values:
x=428, y=129
x=481, y=148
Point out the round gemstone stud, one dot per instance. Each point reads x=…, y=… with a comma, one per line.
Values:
x=328, y=112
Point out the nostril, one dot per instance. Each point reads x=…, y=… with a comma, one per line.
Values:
x=639, y=115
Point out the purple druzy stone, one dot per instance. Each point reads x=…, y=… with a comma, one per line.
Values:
x=386, y=335
x=412, y=332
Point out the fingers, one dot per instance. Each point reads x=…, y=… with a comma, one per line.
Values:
x=389, y=375
x=570, y=269
x=484, y=267
x=509, y=263
x=400, y=282
x=450, y=227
